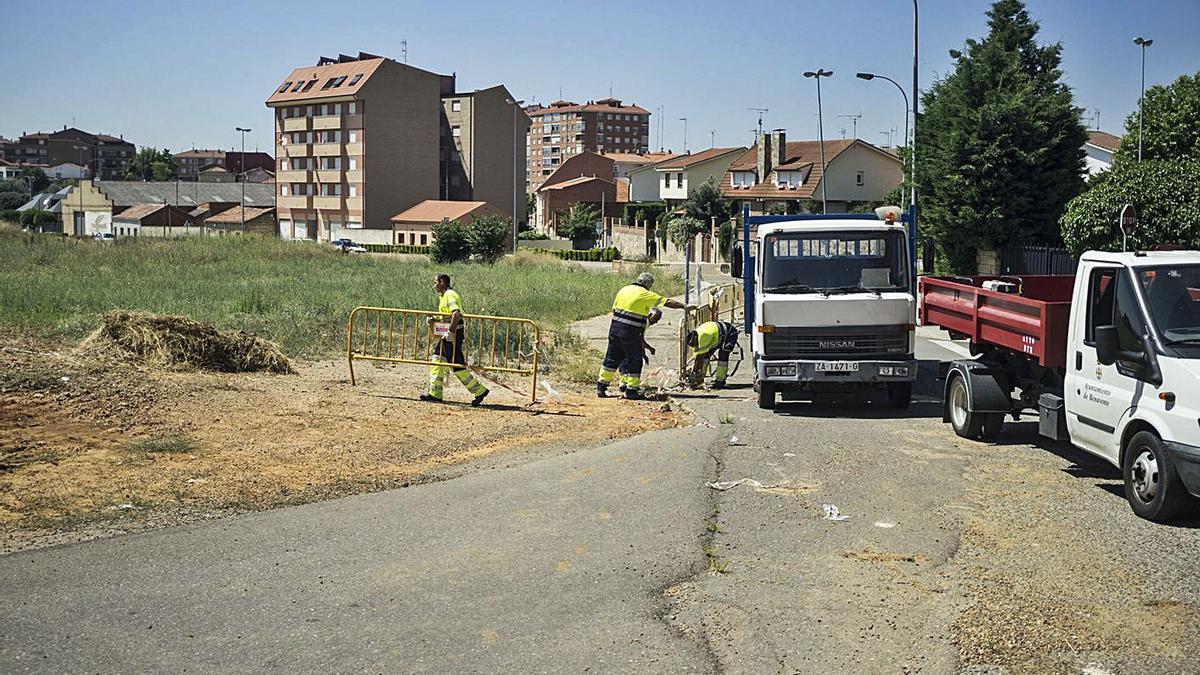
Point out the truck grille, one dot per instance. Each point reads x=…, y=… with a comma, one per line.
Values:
x=836, y=342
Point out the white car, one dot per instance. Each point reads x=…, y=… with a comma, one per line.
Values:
x=348, y=246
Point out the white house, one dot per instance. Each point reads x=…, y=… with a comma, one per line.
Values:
x=1099, y=149
x=670, y=179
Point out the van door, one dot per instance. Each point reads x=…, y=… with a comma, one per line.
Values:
x=1097, y=395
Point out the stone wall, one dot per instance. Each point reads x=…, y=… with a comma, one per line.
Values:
x=987, y=262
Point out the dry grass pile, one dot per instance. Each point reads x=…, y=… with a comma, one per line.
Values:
x=180, y=341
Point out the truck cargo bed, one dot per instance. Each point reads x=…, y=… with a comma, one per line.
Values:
x=1032, y=321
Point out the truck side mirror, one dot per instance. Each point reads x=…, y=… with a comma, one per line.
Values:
x=735, y=264
x=928, y=251
x=1106, y=345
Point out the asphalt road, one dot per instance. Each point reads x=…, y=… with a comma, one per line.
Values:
x=954, y=556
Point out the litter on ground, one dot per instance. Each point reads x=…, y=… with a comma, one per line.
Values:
x=832, y=513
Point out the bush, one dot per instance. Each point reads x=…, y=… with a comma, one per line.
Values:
x=681, y=229
x=44, y=218
x=10, y=216
x=27, y=217
x=590, y=255
x=487, y=237
x=1166, y=194
x=647, y=211
x=530, y=235
x=579, y=225
x=449, y=243
x=396, y=248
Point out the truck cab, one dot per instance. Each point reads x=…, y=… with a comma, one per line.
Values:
x=831, y=306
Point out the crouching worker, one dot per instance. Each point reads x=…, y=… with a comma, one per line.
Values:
x=630, y=316
x=451, y=348
x=647, y=348
x=713, y=336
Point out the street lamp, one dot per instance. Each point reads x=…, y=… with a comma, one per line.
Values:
x=80, y=220
x=1143, y=43
x=515, y=104
x=912, y=177
x=242, y=162
x=818, y=74
x=684, y=120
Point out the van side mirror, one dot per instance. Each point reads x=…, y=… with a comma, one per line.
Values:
x=735, y=264
x=1106, y=345
x=928, y=251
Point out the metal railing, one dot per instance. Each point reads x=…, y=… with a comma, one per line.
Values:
x=490, y=344
x=717, y=303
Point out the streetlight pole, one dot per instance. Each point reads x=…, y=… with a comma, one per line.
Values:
x=817, y=75
x=684, y=120
x=1143, y=43
x=515, y=104
x=82, y=219
x=871, y=76
x=242, y=162
x=912, y=148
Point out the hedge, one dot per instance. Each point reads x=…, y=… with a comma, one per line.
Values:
x=591, y=255
x=396, y=248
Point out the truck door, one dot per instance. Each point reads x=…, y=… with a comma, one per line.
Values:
x=1097, y=395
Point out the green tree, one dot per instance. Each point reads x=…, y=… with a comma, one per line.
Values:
x=1166, y=194
x=684, y=228
x=580, y=224
x=150, y=164
x=12, y=194
x=1000, y=143
x=33, y=178
x=487, y=237
x=530, y=207
x=704, y=203
x=1170, y=125
x=449, y=242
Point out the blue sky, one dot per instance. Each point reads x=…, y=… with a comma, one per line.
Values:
x=174, y=74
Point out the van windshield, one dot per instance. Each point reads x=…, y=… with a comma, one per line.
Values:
x=1172, y=295
x=834, y=262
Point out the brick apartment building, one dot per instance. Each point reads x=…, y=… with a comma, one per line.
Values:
x=483, y=149
x=102, y=155
x=359, y=139
x=189, y=163
x=563, y=129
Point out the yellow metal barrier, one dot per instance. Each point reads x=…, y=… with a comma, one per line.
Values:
x=497, y=344
x=717, y=303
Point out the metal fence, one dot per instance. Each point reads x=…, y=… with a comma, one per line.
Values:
x=1033, y=259
x=495, y=344
x=717, y=303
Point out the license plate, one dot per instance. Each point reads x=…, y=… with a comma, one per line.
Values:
x=837, y=366
x=441, y=329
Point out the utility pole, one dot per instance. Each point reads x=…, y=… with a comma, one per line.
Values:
x=243, y=172
x=854, y=119
x=817, y=75
x=1143, y=43
x=684, y=120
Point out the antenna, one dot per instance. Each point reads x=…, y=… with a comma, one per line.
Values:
x=855, y=119
x=843, y=130
x=712, y=138
x=761, y=112
x=404, y=50
x=610, y=88
x=661, y=123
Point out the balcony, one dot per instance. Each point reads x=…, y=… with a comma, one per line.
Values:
x=354, y=203
x=296, y=150
x=294, y=177
x=329, y=176
x=295, y=124
x=329, y=203
x=330, y=122
x=354, y=149
x=353, y=121
x=355, y=176
x=327, y=149
x=300, y=202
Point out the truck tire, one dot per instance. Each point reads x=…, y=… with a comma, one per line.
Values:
x=900, y=395
x=766, y=395
x=1152, y=484
x=965, y=423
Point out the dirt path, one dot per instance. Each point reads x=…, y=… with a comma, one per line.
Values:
x=115, y=448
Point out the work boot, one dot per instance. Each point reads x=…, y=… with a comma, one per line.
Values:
x=601, y=390
x=622, y=387
x=633, y=395
x=430, y=398
x=479, y=399
x=717, y=384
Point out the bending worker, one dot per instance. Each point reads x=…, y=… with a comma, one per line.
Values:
x=713, y=336
x=451, y=348
x=631, y=309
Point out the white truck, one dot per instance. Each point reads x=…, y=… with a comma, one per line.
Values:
x=1108, y=359
x=830, y=305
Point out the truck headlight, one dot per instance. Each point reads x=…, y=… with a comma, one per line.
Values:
x=893, y=371
x=787, y=370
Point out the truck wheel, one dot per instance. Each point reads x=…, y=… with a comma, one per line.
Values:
x=900, y=395
x=1152, y=483
x=966, y=423
x=766, y=395
x=992, y=423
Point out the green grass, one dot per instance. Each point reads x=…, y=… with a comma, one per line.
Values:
x=169, y=444
x=297, y=294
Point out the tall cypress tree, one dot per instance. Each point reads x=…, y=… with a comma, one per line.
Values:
x=1001, y=143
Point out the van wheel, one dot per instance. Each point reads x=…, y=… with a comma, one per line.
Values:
x=900, y=395
x=966, y=423
x=1152, y=484
x=766, y=395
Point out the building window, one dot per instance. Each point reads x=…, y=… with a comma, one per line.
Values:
x=283, y=189
x=456, y=131
x=354, y=80
x=679, y=180
x=456, y=106
x=352, y=107
x=353, y=163
x=858, y=179
x=283, y=164
x=284, y=87
x=297, y=87
x=743, y=179
x=424, y=239
x=353, y=136
x=331, y=190
x=353, y=190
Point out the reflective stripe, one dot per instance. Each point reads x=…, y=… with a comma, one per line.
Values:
x=629, y=322
x=606, y=375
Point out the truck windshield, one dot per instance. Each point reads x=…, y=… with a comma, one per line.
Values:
x=1172, y=295
x=842, y=262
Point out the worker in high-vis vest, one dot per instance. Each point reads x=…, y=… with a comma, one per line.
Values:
x=647, y=348
x=630, y=315
x=451, y=345
x=719, y=337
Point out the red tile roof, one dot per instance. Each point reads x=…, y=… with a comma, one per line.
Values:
x=436, y=210
x=603, y=105
x=796, y=156
x=1104, y=140
x=572, y=182
x=319, y=76
x=234, y=216
x=139, y=211
x=684, y=161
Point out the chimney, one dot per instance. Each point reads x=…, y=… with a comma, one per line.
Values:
x=764, y=158
x=778, y=147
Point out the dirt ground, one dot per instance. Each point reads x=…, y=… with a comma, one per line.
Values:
x=90, y=448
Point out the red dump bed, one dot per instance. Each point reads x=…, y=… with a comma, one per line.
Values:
x=1033, y=321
